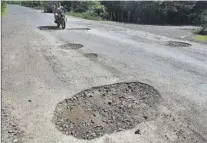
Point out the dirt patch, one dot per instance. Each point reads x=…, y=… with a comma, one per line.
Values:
x=106, y=109
x=91, y=55
x=177, y=44
x=71, y=46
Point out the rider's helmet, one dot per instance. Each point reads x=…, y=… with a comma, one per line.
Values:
x=54, y=5
x=58, y=4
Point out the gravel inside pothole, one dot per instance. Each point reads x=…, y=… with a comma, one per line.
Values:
x=71, y=46
x=106, y=109
x=177, y=44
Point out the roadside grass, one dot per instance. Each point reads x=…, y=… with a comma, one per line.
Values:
x=85, y=15
x=3, y=13
x=202, y=38
x=201, y=34
x=3, y=9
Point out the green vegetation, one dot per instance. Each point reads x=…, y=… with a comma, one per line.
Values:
x=156, y=12
x=92, y=10
x=3, y=8
x=142, y=12
x=85, y=15
x=32, y=4
x=201, y=34
x=202, y=38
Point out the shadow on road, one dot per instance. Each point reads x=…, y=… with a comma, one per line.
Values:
x=48, y=28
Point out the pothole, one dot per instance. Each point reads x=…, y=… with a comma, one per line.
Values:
x=49, y=28
x=71, y=46
x=91, y=55
x=177, y=44
x=78, y=28
x=106, y=109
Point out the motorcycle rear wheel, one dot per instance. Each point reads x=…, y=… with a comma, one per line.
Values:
x=63, y=24
x=58, y=25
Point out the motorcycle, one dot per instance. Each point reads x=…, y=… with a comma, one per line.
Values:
x=61, y=20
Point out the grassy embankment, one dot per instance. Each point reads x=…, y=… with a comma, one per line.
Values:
x=3, y=8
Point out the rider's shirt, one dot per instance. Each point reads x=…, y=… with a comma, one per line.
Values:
x=57, y=9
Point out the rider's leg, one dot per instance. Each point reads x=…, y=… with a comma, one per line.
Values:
x=55, y=18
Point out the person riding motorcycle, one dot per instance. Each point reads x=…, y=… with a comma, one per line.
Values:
x=57, y=11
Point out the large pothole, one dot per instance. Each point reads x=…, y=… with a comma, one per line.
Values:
x=106, y=109
x=177, y=44
x=71, y=46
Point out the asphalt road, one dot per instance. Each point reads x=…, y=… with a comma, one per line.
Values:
x=37, y=73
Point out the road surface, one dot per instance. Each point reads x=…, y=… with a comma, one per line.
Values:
x=40, y=68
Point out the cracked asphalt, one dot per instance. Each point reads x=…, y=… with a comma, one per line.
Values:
x=38, y=73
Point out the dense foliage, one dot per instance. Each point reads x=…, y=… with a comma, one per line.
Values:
x=143, y=12
x=156, y=12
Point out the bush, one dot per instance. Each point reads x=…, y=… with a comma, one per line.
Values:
x=203, y=19
x=143, y=12
x=203, y=30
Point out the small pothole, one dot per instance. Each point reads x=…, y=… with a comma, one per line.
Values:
x=107, y=109
x=177, y=44
x=71, y=46
x=78, y=28
x=91, y=55
x=137, y=132
x=48, y=28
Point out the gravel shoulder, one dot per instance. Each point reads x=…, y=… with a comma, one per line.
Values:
x=10, y=131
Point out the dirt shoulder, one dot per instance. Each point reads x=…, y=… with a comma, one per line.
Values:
x=10, y=131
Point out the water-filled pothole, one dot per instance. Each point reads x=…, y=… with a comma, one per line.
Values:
x=106, y=109
x=177, y=44
x=91, y=55
x=71, y=46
